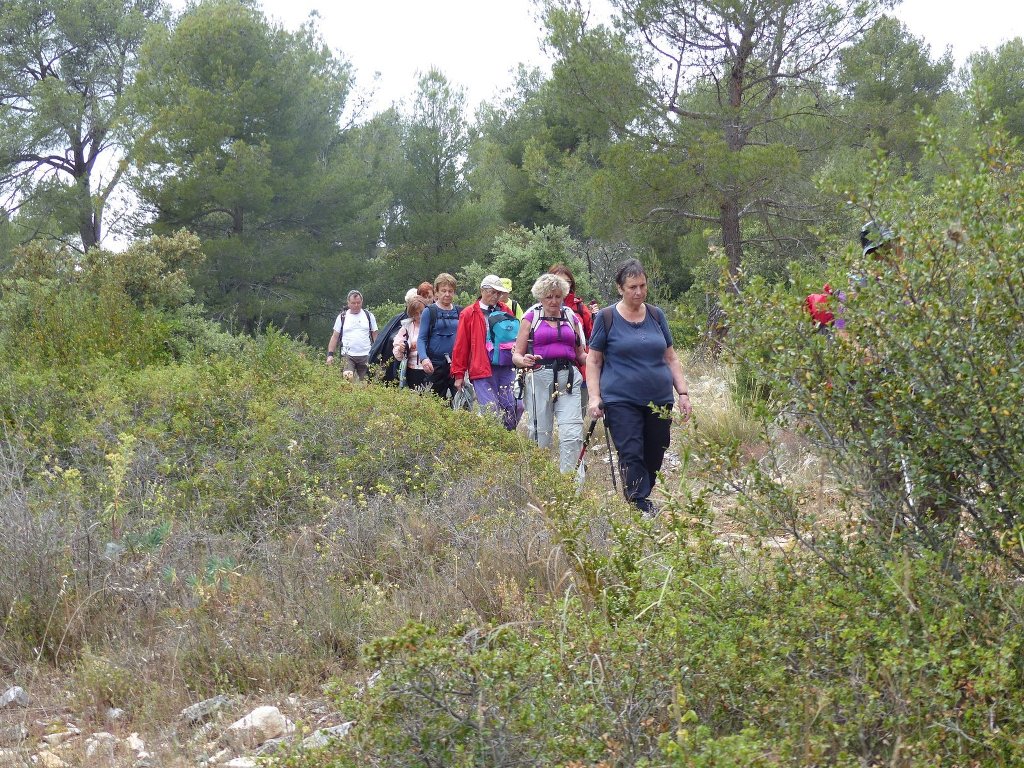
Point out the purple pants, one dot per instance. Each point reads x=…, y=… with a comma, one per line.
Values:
x=495, y=393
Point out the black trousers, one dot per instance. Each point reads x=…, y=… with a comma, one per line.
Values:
x=641, y=435
x=440, y=381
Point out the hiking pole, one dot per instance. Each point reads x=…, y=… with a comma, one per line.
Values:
x=586, y=442
x=611, y=463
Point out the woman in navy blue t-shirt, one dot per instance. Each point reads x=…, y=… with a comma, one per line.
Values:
x=632, y=370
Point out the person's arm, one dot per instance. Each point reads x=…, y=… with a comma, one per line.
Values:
x=679, y=382
x=372, y=321
x=398, y=347
x=460, y=352
x=519, y=357
x=581, y=354
x=595, y=362
x=332, y=347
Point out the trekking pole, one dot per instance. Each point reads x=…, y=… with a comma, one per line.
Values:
x=611, y=463
x=586, y=442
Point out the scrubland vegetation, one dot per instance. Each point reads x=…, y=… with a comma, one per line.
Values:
x=187, y=513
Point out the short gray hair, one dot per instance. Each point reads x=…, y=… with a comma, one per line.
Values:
x=549, y=283
x=354, y=292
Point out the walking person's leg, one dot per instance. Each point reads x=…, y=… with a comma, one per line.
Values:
x=486, y=395
x=503, y=378
x=570, y=422
x=657, y=437
x=541, y=419
x=626, y=424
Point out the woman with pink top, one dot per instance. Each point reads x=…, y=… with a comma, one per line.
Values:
x=552, y=343
x=404, y=347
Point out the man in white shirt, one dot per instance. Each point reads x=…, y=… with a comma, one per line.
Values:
x=356, y=328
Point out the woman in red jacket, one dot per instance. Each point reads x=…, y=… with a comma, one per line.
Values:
x=492, y=382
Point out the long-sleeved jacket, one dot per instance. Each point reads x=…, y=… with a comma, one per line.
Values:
x=470, y=351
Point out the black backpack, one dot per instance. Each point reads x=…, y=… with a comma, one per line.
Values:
x=382, y=352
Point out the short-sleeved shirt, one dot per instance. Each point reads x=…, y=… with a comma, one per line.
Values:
x=634, y=371
x=554, y=343
x=355, y=336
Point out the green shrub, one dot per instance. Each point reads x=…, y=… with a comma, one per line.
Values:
x=917, y=405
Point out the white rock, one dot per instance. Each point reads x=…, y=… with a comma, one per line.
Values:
x=260, y=725
x=49, y=760
x=13, y=735
x=114, y=714
x=220, y=757
x=54, y=739
x=203, y=710
x=99, y=748
x=14, y=697
x=241, y=762
x=135, y=744
x=323, y=736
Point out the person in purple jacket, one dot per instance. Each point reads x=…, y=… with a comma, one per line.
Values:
x=632, y=370
x=552, y=343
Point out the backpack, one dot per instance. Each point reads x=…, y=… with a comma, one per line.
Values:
x=433, y=317
x=502, y=329
x=380, y=350
x=817, y=307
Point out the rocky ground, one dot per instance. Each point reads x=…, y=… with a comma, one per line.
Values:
x=221, y=731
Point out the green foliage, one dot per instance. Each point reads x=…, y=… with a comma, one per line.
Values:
x=917, y=402
x=244, y=149
x=996, y=85
x=65, y=67
x=523, y=255
x=709, y=665
x=891, y=80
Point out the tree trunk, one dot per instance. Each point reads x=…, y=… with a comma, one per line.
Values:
x=88, y=219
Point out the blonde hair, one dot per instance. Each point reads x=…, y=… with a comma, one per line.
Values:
x=445, y=279
x=549, y=283
x=415, y=301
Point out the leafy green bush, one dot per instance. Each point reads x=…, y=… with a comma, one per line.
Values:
x=917, y=403
x=892, y=663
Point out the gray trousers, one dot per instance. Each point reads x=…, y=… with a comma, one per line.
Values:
x=542, y=408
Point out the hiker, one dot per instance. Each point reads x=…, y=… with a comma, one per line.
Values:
x=426, y=290
x=818, y=306
x=437, y=337
x=405, y=343
x=573, y=302
x=505, y=297
x=926, y=486
x=356, y=328
x=483, y=348
x=551, y=344
x=632, y=370
x=586, y=315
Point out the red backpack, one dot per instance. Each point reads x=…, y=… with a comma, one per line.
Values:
x=817, y=307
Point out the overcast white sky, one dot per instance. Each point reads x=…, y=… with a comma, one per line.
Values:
x=477, y=43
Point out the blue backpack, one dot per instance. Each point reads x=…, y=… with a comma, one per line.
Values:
x=502, y=329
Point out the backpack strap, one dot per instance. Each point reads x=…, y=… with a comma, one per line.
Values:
x=607, y=316
x=570, y=319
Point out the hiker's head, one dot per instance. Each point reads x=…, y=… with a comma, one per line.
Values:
x=414, y=306
x=550, y=290
x=631, y=282
x=490, y=289
x=564, y=271
x=355, y=301
x=444, y=289
x=878, y=240
x=426, y=290
x=505, y=289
